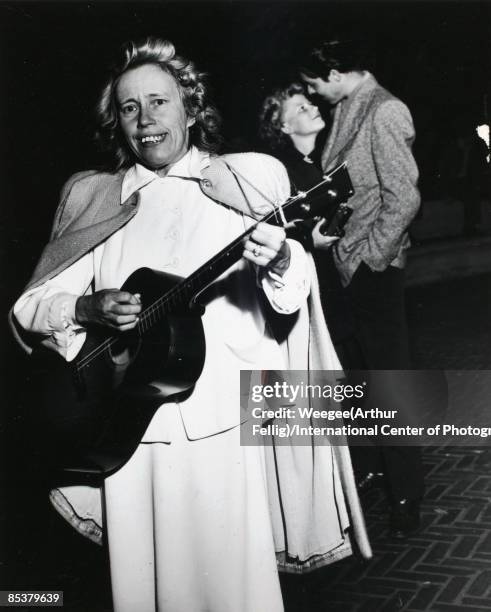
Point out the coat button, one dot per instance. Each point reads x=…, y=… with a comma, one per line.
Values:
x=206, y=183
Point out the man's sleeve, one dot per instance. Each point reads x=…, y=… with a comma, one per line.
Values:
x=392, y=138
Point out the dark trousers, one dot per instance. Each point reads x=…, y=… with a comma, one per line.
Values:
x=377, y=300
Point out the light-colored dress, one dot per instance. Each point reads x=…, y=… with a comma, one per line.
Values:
x=190, y=522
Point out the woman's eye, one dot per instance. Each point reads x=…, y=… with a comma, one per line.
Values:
x=128, y=109
x=159, y=101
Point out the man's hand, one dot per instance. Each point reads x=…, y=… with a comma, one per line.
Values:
x=267, y=247
x=320, y=241
x=112, y=308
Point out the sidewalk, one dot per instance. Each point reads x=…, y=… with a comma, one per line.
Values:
x=447, y=566
x=448, y=258
x=440, y=251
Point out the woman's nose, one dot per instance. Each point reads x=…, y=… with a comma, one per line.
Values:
x=145, y=117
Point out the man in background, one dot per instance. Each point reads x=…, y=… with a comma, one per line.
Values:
x=373, y=131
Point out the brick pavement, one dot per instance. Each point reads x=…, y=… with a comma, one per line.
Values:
x=446, y=567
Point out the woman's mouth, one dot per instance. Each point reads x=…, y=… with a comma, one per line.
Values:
x=151, y=139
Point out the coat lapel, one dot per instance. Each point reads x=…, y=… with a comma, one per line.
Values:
x=348, y=117
x=87, y=222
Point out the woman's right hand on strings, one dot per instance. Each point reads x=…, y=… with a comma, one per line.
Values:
x=112, y=308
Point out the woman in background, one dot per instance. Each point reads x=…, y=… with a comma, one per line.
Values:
x=290, y=125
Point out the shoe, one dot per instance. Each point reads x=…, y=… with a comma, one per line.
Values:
x=404, y=518
x=371, y=480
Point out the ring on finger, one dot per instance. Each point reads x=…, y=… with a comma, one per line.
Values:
x=256, y=251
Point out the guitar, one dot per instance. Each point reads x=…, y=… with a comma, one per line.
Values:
x=96, y=408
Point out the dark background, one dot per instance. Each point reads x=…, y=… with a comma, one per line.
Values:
x=434, y=55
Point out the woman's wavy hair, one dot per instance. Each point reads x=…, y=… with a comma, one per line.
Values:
x=270, y=116
x=192, y=86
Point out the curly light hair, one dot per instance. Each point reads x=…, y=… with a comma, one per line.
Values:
x=192, y=86
x=270, y=115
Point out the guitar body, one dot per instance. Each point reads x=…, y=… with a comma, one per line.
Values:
x=92, y=412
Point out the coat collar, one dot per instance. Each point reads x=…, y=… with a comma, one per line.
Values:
x=231, y=180
x=190, y=166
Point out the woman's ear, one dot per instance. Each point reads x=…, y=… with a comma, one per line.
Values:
x=285, y=128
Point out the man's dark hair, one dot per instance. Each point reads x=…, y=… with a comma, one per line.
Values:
x=340, y=55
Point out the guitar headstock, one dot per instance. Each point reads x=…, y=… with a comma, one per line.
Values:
x=335, y=188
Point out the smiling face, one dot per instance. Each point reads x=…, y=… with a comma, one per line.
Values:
x=300, y=117
x=152, y=116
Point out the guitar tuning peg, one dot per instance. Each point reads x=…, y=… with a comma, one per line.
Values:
x=332, y=193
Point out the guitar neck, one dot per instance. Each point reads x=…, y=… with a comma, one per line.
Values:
x=219, y=263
